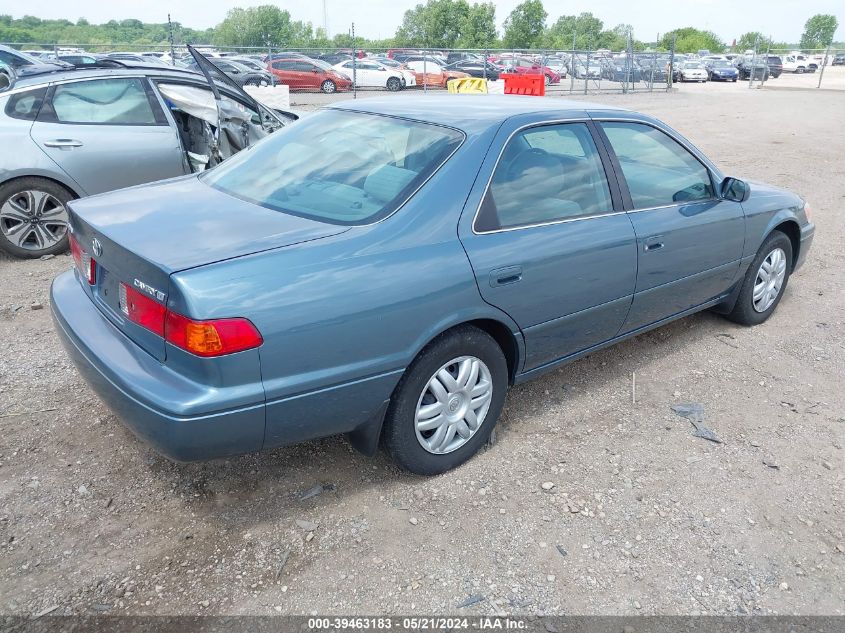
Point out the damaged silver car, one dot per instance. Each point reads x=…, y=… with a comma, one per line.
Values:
x=79, y=132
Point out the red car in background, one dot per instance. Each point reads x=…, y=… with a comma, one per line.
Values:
x=523, y=66
x=308, y=74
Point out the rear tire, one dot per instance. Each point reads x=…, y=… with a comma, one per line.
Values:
x=751, y=311
x=38, y=199
x=459, y=441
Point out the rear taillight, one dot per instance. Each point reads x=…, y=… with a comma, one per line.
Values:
x=85, y=264
x=141, y=309
x=211, y=338
x=216, y=337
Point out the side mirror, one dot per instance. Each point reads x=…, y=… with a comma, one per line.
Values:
x=735, y=189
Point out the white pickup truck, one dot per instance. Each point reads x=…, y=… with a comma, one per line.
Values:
x=796, y=62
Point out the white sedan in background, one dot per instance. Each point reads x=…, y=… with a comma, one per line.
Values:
x=370, y=74
x=693, y=71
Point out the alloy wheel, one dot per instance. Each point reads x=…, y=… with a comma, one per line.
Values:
x=453, y=405
x=33, y=219
x=769, y=280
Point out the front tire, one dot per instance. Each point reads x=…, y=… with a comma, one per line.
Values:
x=33, y=217
x=393, y=84
x=328, y=86
x=765, y=281
x=447, y=403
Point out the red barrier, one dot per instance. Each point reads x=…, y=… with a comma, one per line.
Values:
x=534, y=85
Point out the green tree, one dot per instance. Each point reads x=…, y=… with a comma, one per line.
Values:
x=525, y=25
x=260, y=26
x=691, y=40
x=748, y=41
x=448, y=24
x=819, y=31
x=437, y=23
x=583, y=30
x=479, y=27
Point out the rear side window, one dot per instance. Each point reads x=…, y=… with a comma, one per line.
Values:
x=25, y=105
x=545, y=174
x=338, y=167
x=122, y=101
x=659, y=171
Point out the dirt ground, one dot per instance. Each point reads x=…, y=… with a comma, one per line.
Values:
x=643, y=517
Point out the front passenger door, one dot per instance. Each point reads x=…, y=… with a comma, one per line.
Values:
x=689, y=240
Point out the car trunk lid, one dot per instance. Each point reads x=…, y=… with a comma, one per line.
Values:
x=140, y=236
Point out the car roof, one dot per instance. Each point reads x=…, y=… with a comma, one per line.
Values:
x=467, y=112
x=65, y=74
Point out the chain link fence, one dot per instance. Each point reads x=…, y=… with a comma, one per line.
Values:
x=565, y=72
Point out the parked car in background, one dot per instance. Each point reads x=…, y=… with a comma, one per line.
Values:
x=249, y=62
x=693, y=71
x=308, y=74
x=23, y=64
x=755, y=68
x=371, y=74
x=584, y=69
x=796, y=63
x=775, y=65
x=79, y=132
x=721, y=70
x=460, y=56
x=334, y=58
x=240, y=73
x=621, y=69
x=476, y=68
x=524, y=66
x=838, y=60
x=557, y=64
x=652, y=68
x=80, y=59
x=386, y=268
x=137, y=58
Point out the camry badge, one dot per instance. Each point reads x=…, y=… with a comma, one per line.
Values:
x=158, y=294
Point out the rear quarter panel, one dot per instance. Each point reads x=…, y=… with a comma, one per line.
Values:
x=342, y=317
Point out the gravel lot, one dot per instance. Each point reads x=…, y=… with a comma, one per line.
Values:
x=642, y=518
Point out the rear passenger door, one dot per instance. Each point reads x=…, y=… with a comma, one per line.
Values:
x=549, y=243
x=689, y=240
x=108, y=133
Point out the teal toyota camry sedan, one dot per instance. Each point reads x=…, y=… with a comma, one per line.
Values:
x=387, y=267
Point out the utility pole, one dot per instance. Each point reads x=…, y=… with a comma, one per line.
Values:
x=354, y=66
x=170, y=37
x=325, y=20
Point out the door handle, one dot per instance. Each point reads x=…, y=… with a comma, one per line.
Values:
x=505, y=276
x=63, y=143
x=654, y=243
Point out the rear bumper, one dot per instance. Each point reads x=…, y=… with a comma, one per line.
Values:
x=807, y=233
x=152, y=400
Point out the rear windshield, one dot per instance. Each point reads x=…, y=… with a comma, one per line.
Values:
x=338, y=167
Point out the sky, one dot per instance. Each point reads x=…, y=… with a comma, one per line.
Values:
x=783, y=20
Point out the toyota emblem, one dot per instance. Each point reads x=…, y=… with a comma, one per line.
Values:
x=96, y=247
